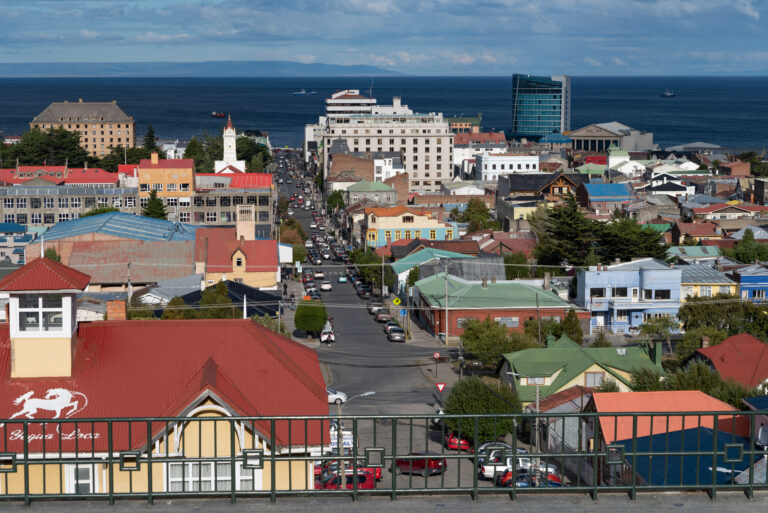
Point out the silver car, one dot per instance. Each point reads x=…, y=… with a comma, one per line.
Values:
x=396, y=335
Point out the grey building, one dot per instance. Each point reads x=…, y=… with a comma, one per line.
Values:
x=376, y=191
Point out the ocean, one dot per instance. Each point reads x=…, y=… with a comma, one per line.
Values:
x=729, y=111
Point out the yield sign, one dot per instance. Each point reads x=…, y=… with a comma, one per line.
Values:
x=440, y=386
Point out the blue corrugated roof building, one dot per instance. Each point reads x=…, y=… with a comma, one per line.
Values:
x=555, y=138
x=124, y=225
x=12, y=228
x=609, y=191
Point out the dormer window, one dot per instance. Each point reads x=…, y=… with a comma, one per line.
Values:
x=238, y=262
x=41, y=312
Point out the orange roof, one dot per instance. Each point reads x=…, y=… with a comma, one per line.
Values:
x=394, y=211
x=480, y=137
x=742, y=358
x=167, y=164
x=621, y=427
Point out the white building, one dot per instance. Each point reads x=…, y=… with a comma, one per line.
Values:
x=489, y=166
x=386, y=165
x=467, y=146
x=229, y=164
x=462, y=188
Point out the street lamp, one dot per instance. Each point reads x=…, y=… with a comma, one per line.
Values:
x=340, y=435
x=535, y=421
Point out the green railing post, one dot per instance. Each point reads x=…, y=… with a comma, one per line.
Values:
x=25, y=429
x=232, y=458
x=713, y=492
x=273, y=474
x=474, y=459
x=595, y=454
x=150, y=498
x=633, y=490
x=393, y=496
x=110, y=448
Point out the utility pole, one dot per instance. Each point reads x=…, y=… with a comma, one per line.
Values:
x=382, y=281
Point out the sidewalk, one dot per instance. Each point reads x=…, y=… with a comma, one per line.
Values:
x=295, y=288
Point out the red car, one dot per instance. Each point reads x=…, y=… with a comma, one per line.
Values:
x=332, y=466
x=524, y=479
x=424, y=463
x=365, y=481
x=458, y=444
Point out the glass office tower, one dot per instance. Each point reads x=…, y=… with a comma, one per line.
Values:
x=540, y=105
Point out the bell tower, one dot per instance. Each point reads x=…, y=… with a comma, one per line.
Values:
x=42, y=318
x=230, y=142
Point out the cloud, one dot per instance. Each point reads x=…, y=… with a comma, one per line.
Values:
x=618, y=62
x=381, y=60
x=154, y=37
x=88, y=34
x=593, y=62
x=306, y=59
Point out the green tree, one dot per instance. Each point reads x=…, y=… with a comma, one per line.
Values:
x=121, y=155
x=564, y=235
x=659, y=328
x=572, y=327
x=171, y=313
x=299, y=253
x=516, y=266
x=413, y=276
x=471, y=396
x=271, y=324
x=100, y=210
x=51, y=254
x=689, y=241
x=293, y=225
x=692, y=338
x=54, y=147
x=310, y=316
x=477, y=215
x=610, y=385
x=256, y=164
x=282, y=205
x=335, y=201
x=215, y=303
x=150, y=141
x=487, y=340
x=646, y=380
x=747, y=250
x=519, y=341
x=622, y=238
x=155, y=207
x=549, y=326
x=601, y=340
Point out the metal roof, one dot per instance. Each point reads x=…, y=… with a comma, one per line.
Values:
x=123, y=225
x=702, y=273
x=99, y=112
x=169, y=289
x=638, y=265
x=366, y=186
x=423, y=256
x=694, y=251
x=44, y=274
x=486, y=267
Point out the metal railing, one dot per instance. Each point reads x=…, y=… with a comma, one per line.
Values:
x=213, y=454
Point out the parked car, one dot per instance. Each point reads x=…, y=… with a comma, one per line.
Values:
x=325, y=285
x=342, y=279
x=365, y=294
x=523, y=479
x=452, y=441
x=334, y=396
x=396, y=335
x=313, y=225
x=424, y=463
x=328, y=467
x=497, y=463
x=389, y=325
x=373, y=306
x=319, y=275
x=382, y=316
x=365, y=481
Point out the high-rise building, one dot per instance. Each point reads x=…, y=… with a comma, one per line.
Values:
x=540, y=105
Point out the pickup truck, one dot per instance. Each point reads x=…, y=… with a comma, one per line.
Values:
x=490, y=469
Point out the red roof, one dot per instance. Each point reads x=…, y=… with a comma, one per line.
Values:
x=127, y=169
x=216, y=246
x=92, y=175
x=479, y=137
x=720, y=206
x=168, y=164
x=742, y=358
x=698, y=229
x=162, y=368
x=44, y=274
x=229, y=123
x=620, y=427
x=251, y=181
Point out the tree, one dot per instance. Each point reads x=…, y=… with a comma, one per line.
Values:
x=747, y=250
x=413, y=276
x=310, y=316
x=622, y=238
x=471, y=396
x=271, y=324
x=150, y=141
x=659, y=328
x=572, y=327
x=121, y=155
x=335, y=200
x=291, y=236
x=100, y=210
x=477, y=215
x=299, y=253
x=54, y=147
x=215, y=303
x=282, y=205
x=646, y=380
x=549, y=326
x=155, y=207
x=519, y=341
x=51, y=254
x=692, y=340
x=609, y=385
x=516, y=266
x=601, y=340
x=564, y=234
x=255, y=155
x=291, y=224
x=689, y=241
x=487, y=340
x=171, y=313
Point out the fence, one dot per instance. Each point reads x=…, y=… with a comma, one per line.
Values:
x=211, y=453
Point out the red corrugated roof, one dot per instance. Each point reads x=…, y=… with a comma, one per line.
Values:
x=251, y=181
x=160, y=368
x=127, y=169
x=44, y=274
x=167, y=164
x=742, y=358
x=698, y=229
x=480, y=137
x=93, y=175
x=260, y=255
x=621, y=428
x=720, y=206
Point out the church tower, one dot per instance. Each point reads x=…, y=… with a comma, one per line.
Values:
x=229, y=164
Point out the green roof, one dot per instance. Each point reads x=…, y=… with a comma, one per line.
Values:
x=684, y=172
x=366, y=186
x=615, y=151
x=659, y=227
x=591, y=169
x=571, y=360
x=422, y=257
x=465, y=294
x=694, y=251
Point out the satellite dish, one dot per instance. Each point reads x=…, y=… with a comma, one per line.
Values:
x=762, y=437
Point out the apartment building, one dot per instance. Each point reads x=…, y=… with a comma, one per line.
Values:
x=490, y=166
x=102, y=125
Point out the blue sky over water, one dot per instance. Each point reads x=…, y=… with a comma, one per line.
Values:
x=453, y=37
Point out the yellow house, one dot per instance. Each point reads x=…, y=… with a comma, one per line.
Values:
x=171, y=178
x=564, y=364
x=125, y=407
x=382, y=224
x=701, y=280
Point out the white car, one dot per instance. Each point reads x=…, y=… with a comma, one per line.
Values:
x=290, y=212
x=313, y=225
x=308, y=244
x=326, y=286
x=334, y=396
x=319, y=275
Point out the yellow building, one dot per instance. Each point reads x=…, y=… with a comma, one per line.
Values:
x=102, y=125
x=171, y=178
x=189, y=395
x=382, y=224
x=701, y=280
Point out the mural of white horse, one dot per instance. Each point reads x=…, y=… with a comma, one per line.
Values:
x=56, y=400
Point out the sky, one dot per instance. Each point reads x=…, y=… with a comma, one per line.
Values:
x=419, y=37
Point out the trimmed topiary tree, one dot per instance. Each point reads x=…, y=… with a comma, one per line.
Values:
x=472, y=396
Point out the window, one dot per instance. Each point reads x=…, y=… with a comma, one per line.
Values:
x=9, y=218
x=184, y=217
x=263, y=201
x=432, y=234
x=237, y=200
x=199, y=201
x=184, y=187
x=208, y=476
x=172, y=202
x=8, y=202
x=48, y=219
x=619, y=292
x=21, y=202
x=238, y=262
x=705, y=290
x=143, y=202
x=90, y=202
x=34, y=307
x=622, y=316
x=130, y=201
x=63, y=202
x=63, y=217
x=144, y=187
x=21, y=218
x=596, y=293
x=647, y=294
x=210, y=201
x=36, y=218
x=185, y=202
x=665, y=294
x=594, y=379
x=263, y=216
x=448, y=234
x=225, y=201
x=407, y=219
x=388, y=234
x=687, y=291
x=35, y=202
x=210, y=217
x=461, y=321
x=509, y=322
x=724, y=289
x=199, y=217
x=75, y=202
x=157, y=187
x=102, y=201
x=82, y=479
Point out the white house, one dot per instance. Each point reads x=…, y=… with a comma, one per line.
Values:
x=663, y=183
x=489, y=166
x=459, y=187
x=386, y=165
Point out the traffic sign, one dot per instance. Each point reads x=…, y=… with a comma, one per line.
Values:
x=436, y=356
x=403, y=312
x=440, y=386
x=396, y=301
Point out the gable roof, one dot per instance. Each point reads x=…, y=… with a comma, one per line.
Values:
x=124, y=225
x=703, y=273
x=694, y=251
x=621, y=428
x=745, y=207
x=423, y=256
x=45, y=274
x=366, y=186
x=100, y=112
x=534, y=182
x=608, y=191
x=217, y=246
x=479, y=138
x=742, y=358
x=697, y=229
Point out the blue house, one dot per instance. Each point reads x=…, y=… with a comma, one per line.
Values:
x=753, y=282
x=621, y=297
x=604, y=197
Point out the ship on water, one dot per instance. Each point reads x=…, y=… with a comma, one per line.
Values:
x=303, y=92
x=215, y=114
x=668, y=94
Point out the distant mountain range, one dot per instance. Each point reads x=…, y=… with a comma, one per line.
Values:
x=188, y=69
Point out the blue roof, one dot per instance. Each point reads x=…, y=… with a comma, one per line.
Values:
x=555, y=138
x=759, y=402
x=18, y=251
x=612, y=190
x=688, y=469
x=123, y=225
x=12, y=227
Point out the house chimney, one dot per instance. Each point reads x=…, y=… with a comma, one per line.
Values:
x=485, y=283
x=116, y=310
x=154, y=158
x=617, y=261
x=704, y=341
x=547, y=281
